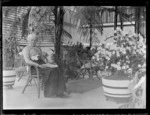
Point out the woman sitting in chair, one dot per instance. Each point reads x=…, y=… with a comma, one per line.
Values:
x=54, y=84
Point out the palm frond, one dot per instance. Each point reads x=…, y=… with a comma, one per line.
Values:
x=67, y=34
x=96, y=40
x=69, y=24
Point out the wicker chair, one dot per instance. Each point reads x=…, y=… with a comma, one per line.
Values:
x=34, y=76
x=31, y=77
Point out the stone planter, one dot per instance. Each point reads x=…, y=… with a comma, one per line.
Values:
x=116, y=89
x=9, y=77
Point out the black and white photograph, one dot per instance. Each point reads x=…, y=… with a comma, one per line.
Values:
x=74, y=57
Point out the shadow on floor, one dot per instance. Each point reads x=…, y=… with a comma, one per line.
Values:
x=84, y=85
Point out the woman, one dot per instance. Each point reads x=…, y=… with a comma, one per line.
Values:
x=54, y=84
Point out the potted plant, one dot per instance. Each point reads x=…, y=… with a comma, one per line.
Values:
x=9, y=53
x=120, y=59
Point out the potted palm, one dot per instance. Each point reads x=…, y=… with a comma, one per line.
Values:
x=120, y=60
x=9, y=53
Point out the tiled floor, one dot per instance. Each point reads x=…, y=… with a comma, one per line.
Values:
x=85, y=94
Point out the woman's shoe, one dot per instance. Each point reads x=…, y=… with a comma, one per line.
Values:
x=62, y=96
x=67, y=93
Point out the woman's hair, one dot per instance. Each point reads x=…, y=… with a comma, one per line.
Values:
x=31, y=36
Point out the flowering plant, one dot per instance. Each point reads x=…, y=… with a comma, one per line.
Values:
x=125, y=55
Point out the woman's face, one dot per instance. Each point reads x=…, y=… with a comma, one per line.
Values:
x=32, y=42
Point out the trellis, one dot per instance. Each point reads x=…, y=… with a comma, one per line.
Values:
x=8, y=20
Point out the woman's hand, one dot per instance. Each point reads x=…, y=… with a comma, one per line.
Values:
x=42, y=66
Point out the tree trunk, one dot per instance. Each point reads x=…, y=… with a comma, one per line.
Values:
x=115, y=20
x=59, y=14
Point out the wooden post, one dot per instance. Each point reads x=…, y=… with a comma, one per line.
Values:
x=137, y=20
x=115, y=20
x=90, y=36
x=121, y=20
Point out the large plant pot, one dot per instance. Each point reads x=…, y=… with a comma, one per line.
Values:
x=116, y=89
x=9, y=77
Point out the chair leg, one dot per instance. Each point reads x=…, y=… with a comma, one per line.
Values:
x=20, y=77
x=28, y=80
x=42, y=85
x=38, y=87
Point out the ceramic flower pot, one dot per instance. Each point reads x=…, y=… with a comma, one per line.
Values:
x=9, y=77
x=116, y=89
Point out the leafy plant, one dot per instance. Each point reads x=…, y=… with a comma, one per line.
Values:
x=10, y=42
x=126, y=53
x=10, y=48
x=75, y=57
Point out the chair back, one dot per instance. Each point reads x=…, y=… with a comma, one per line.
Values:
x=28, y=66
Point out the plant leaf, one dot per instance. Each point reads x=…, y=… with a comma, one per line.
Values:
x=67, y=34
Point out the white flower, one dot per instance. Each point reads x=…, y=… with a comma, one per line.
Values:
x=130, y=42
x=113, y=65
x=121, y=49
x=145, y=56
x=93, y=57
x=116, y=66
x=107, y=45
x=118, y=63
x=127, y=66
x=97, y=55
x=113, y=52
x=144, y=46
x=108, y=58
x=144, y=51
x=106, y=67
x=128, y=61
x=99, y=51
x=124, y=51
x=128, y=48
x=144, y=65
x=118, y=54
x=123, y=67
x=139, y=65
x=134, y=52
x=140, y=38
